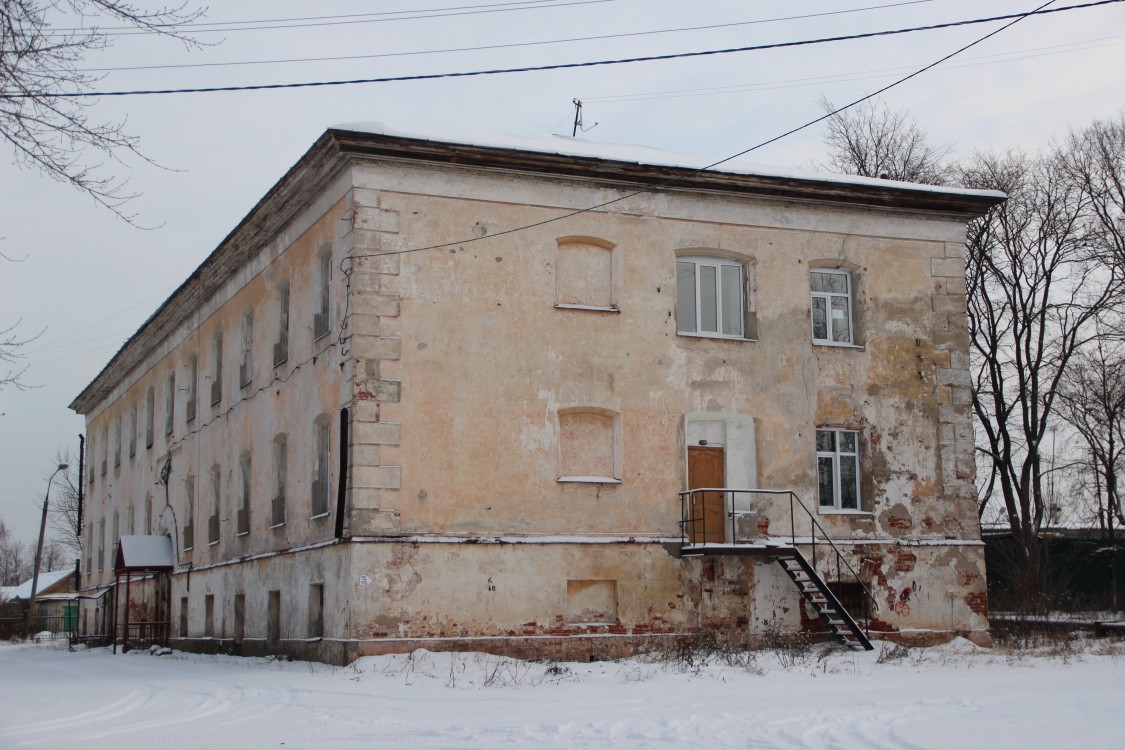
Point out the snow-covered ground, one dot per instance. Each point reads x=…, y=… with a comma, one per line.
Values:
x=954, y=696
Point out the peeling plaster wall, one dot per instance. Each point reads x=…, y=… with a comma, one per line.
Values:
x=468, y=362
x=283, y=398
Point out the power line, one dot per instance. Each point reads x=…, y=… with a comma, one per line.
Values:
x=559, y=66
x=858, y=75
x=511, y=45
x=358, y=18
x=1018, y=17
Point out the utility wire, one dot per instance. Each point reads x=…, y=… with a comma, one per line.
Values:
x=1018, y=17
x=561, y=66
x=510, y=45
x=193, y=28
x=857, y=75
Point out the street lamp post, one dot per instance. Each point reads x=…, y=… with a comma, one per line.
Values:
x=39, y=549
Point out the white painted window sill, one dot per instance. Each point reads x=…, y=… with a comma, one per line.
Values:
x=838, y=345
x=714, y=336
x=319, y=336
x=278, y=525
x=212, y=544
x=319, y=515
x=186, y=549
x=845, y=512
x=590, y=480
x=588, y=308
x=243, y=533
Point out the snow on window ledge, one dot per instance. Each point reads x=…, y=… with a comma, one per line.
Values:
x=837, y=344
x=319, y=515
x=590, y=480
x=591, y=308
x=714, y=336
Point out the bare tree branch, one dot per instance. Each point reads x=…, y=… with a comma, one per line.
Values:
x=56, y=135
x=873, y=140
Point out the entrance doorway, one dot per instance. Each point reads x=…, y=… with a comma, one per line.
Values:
x=707, y=514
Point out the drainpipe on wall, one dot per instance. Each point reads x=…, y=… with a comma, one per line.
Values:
x=342, y=487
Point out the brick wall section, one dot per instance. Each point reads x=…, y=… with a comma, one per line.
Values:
x=373, y=326
x=956, y=462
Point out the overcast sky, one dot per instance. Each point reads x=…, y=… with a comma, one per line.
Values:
x=88, y=279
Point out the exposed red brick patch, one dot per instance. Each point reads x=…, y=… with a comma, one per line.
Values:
x=905, y=561
x=978, y=602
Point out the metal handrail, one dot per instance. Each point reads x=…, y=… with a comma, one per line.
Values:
x=699, y=524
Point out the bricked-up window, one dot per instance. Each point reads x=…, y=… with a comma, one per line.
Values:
x=588, y=446
x=217, y=368
x=117, y=441
x=281, y=346
x=216, y=500
x=246, y=366
x=146, y=526
x=101, y=544
x=183, y=616
x=837, y=463
x=273, y=617
x=709, y=297
x=189, y=513
x=322, y=319
x=239, y=617
x=584, y=277
x=192, y=386
x=244, y=507
x=321, y=486
x=316, y=610
x=105, y=449
x=92, y=455
x=133, y=429
x=831, y=306
x=281, y=479
x=150, y=415
x=209, y=616
x=89, y=548
x=130, y=520
x=170, y=404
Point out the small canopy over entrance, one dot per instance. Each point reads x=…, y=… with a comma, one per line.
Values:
x=146, y=560
x=144, y=554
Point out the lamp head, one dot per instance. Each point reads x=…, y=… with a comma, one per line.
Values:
x=62, y=467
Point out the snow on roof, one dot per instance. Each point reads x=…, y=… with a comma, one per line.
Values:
x=144, y=553
x=46, y=580
x=584, y=147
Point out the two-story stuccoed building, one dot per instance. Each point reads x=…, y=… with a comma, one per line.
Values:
x=545, y=397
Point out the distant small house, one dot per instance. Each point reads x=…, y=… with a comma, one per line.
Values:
x=57, y=598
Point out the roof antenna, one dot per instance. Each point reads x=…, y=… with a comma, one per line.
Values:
x=578, y=119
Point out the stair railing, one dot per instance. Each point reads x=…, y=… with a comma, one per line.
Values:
x=694, y=531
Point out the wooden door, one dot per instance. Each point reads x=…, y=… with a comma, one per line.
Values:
x=707, y=513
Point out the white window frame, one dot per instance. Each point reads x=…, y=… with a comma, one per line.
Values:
x=835, y=456
x=828, y=298
x=718, y=264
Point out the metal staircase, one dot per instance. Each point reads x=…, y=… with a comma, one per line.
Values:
x=704, y=533
x=817, y=593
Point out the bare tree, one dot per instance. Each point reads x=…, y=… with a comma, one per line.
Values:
x=874, y=140
x=1040, y=279
x=15, y=562
x=1092, y=400
x=63, y=517
x=11, y=344
x=42, y=43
